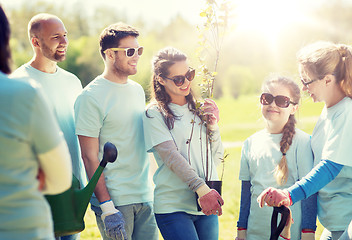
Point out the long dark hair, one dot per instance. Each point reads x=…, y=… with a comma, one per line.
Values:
x=5, y=52
x=281, y=170
x=162, y=61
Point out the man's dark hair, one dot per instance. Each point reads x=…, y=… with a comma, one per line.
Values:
x=111, y=36
x=5, y=52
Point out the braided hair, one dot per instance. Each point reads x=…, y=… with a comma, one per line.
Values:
x=288, y=132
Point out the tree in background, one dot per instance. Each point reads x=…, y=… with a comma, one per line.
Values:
x=246, y=57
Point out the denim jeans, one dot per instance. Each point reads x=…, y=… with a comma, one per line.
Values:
x=69, y=237
x=139, y=219
x=181, y=225
x=327, y=235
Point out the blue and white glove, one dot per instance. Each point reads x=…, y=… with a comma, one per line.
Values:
x=114, y=224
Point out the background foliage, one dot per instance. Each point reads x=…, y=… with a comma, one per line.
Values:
x=247, y=56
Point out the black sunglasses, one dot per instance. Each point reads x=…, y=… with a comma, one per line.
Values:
x=280, y=101
x=180, y=79
x=306, y=83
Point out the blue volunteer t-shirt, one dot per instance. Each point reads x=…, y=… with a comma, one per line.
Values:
x=113, y=113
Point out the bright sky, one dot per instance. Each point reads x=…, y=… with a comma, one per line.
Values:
x=267, y=16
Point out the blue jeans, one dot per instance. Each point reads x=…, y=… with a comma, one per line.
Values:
x=181, y=225
x=139, y=219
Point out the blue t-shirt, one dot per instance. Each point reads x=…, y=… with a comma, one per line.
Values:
x=113, y=113
x=332, y=140
x=260, y=155
x=27, y=129
x=171, y=194
x=61, y=89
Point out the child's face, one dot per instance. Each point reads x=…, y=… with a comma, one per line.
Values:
x=275, y=116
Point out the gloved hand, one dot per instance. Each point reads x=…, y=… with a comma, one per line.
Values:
x=308, y=235
x=241, y=234
x=274, y=197
x=286, y=232
x=211, y=110
x=209, y=200
x=114, y=224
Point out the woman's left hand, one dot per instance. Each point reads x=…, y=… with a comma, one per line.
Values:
x=211, y=110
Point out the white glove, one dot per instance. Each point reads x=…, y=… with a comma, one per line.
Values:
x=114, y=224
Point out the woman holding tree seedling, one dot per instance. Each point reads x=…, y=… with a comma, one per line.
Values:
x=175, y=133
x=326, y=74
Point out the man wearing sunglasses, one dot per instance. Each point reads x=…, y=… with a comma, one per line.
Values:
x=110, y=109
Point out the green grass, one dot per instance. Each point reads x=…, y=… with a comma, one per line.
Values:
x=238, y=120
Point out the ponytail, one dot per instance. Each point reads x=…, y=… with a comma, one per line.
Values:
x=343, y=72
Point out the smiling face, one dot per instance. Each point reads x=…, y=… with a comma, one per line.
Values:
x=124, y=66
x=52, y=40
x=177, y=94
x=315, y=89
x=277, y=117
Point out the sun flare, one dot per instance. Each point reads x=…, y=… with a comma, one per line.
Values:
x=269, y=17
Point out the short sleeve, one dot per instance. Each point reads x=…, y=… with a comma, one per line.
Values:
x=155, y=129
x=88, y=116
x=339, y=141
x=45, y=130
x=305, y=160
x=244, y=174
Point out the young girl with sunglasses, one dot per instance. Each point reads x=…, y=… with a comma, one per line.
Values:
x=277, y=156
x=176, y=135
x=326, y=74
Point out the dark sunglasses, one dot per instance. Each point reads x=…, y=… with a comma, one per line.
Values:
x=180, y=79
x=280, y=101
x=306, y=83
x=129, y=51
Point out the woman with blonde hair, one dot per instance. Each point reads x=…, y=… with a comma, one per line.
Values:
x=326, y=74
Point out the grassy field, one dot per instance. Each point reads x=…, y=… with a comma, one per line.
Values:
x=238, y=120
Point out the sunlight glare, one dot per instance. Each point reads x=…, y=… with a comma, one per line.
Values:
x=268, y=17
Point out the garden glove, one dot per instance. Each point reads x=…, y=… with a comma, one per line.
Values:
x=211, y=110
x=308, y=235
x=209, y=200
x=241, y=234
x=274, y=197
x=114, y=224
